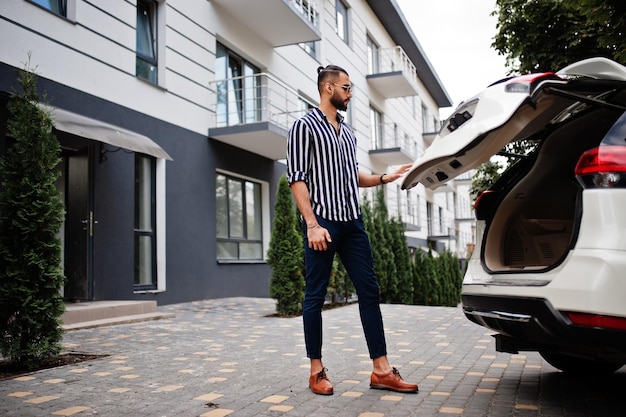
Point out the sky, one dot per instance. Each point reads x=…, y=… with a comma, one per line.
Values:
x=456, y=36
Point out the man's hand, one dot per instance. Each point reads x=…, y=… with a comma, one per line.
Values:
x=318, y=237
x=397, y=173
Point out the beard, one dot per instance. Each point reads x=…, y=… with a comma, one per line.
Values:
x=339, y=103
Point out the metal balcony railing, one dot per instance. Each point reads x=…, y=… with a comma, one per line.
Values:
x=443, y=228
x=308, y=9
x=253, y=99
x=390, y=135
x=393, y=60
x=464, y=211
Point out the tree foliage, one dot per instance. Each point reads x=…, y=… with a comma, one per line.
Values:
x=400, y=249
x=485, y=176
x=286, y=255
x=31, y=214
x=547, y=35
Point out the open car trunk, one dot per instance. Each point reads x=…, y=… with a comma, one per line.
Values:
x=539, y=200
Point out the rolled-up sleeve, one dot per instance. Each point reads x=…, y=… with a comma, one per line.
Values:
x=298, y=152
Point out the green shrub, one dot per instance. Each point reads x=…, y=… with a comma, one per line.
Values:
x=286, y=255
x=31, y=214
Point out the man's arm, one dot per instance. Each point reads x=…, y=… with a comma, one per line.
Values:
x=303, y=201
x=317, y=235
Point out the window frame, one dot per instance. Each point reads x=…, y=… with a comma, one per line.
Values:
x=342, y=24
x=377, y=128
x=373, y=56
x=151, y=7
x=245, y=88
x=61, y=6
x=159, y=232
x=67, y=8
x=149, y=232
x=263, y=217
x=310, y=48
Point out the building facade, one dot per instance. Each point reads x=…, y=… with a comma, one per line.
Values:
x=172, y=116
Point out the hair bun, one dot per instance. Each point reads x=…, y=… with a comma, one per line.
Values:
x=320, y=69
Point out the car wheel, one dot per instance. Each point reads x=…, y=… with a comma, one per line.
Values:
x=579, y=366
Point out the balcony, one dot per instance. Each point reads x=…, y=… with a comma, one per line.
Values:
x=395, y=75
x=279, y=22
x=393, y=146
x=255, y=113
x=464, y=212
x=441, y=230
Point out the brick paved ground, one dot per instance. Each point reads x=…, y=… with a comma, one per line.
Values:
x=228, y=357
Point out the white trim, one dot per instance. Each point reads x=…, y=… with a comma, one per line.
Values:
x=160, y=26
x=160, y=224
x=70, y=10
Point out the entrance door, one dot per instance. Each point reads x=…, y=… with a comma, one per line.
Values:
x=78, y=227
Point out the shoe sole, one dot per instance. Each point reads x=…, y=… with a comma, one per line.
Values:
x=321, y=393
x=385, y=387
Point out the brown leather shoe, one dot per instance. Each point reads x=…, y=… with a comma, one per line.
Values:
x=391, y=381
x=320, y=384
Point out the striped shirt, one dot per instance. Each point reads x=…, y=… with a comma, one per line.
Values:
x=326, y=162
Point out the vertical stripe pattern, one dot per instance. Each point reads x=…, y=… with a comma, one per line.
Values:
x=326, y=162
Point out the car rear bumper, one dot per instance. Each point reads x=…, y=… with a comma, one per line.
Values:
x=534, y=324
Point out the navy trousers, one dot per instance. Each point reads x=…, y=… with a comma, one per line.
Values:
x=351, y=242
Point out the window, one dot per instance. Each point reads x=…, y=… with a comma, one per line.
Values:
x=309, y=48
x=428, y=121
x=311, y=14
x=55, y=6
x=373, y=57
x=238, y=89
x=342, y=20
x=376, y=129
x=430, y=217
x=304, y=107
x=146, y=62
x=145, y=223
x=239, y=219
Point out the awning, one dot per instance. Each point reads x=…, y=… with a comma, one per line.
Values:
x=89, y=128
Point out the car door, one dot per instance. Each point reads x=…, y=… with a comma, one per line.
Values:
x=509, y=110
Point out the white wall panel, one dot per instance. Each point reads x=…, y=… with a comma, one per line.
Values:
x=188, y=89
x=195, y=56
x=124, y=10
x=117, y=25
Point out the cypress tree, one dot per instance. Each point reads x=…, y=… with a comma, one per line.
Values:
x=371, y=226
x=419, y=278
x=286, y=255
x=385, y=265
x=31, y=214
x=402, y=261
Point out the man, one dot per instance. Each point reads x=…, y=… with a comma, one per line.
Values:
x=323, y=174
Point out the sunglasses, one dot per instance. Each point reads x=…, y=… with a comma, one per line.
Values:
x=347, y=88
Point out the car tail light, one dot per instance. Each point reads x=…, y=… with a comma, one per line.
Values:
x=602, y=167
x=484, y=204
x=597, y=320
x=525, y=83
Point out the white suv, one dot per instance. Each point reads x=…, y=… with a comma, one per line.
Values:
x=549, y=270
